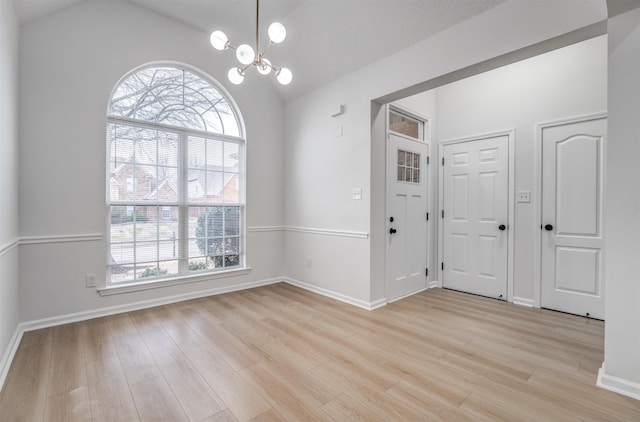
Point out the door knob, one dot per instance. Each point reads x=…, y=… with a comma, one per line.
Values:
x=502, y=227
x=548, y=227
x=392, y=230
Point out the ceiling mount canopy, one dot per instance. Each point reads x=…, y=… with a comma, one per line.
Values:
x=248, y=56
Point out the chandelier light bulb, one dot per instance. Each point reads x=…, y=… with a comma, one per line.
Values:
x=236, y=76
x=277, y=32
x=245, y=54
x=264, y=67
x=219, y=40
x=284, y=76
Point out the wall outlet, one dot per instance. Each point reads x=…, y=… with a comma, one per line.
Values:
x=524, y=196
x=357, y=194
x=90, y=280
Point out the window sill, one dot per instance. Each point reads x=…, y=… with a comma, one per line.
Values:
x=173, y=281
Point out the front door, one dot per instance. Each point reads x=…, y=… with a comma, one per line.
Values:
x=407, y=208
x=571, y=226
x=475, y=216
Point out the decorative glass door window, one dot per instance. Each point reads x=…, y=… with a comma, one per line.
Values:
x=408, y=167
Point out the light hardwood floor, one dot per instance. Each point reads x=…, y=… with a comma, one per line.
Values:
x=280, y=353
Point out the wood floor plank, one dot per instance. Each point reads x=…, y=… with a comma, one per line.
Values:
x=71, y=406
x=344, y=408
x=231, y=348
x=195, y=396
x=156, y=402
x=242, y=400
x=222, y=416
x=134, y=355
x=36, y=337
x=279, y=353
x=98, y=343
x=109, y=392
x=68, y=371
x=25, y=389
x=282, y=396
x=269, y=416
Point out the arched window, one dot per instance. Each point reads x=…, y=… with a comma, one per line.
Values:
x=175, y=193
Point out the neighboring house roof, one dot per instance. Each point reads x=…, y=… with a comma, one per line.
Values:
x=210, y=182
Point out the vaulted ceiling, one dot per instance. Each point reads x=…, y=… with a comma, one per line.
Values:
x=326, y=39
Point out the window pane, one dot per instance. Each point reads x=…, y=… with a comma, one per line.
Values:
x=170, y=268
x=199, y=264
x=167, y=250
x=405, y=125
x=146, y=251
x=143, y=164
x=197, y=153
x=122, y=253
x=169, y=225
x=232, y=221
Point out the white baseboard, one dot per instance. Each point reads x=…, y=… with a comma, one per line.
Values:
x=529, y=303
x=9, y=354
x=407, y=295
x=377, y=304
x=618, y=385
x=334, y=295
x=434, y=284
x=96, y=313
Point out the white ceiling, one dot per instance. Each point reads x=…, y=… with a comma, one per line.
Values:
x=326, y=39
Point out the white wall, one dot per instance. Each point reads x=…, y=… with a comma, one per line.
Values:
x=621, y=369
x=69, y=63
x=564, y=83
x=321, y=169
x=9, y=313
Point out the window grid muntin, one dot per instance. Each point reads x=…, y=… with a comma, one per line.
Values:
x=184, y=258
x=408, y=166
x=208, y=92
x=183, y=203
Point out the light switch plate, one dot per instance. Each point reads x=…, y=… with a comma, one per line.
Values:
x=357, y=194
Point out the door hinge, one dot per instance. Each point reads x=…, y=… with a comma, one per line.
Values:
x=427, y=160
x=443, y=161
x=427, y=216
x=426, y=272
x=442, y=266
x=442, y=213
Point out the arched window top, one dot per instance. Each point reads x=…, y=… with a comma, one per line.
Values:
x=175, y=97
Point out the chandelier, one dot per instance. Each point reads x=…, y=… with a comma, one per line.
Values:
x=248, y=57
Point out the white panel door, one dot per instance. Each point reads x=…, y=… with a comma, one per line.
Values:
x=572, y=242
x=475, y=220
x=406, y=216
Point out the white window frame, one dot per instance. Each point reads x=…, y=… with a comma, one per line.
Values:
x=183, y=203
